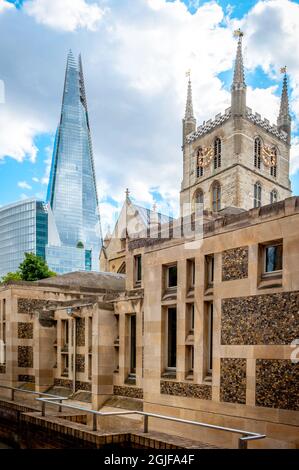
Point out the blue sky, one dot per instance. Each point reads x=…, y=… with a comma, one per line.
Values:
x=135, y=55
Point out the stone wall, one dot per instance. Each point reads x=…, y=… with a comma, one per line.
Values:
x=30, y=306
x=80, y=362
x=260, y=319
x=235, y=264
x=277, y=384
x=25, y=356
x=233, y=380
x=131, y=392
x=25, y=330
x=183, y=389
x=80, y=331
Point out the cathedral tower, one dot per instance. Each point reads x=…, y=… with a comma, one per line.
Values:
x=238, y=160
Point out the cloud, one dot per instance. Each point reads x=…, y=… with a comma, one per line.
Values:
x=35, y=180
x=4, y=6
x=65, y=15
x=24, y=185
x=18, y=132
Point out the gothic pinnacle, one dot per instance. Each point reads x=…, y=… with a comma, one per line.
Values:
x=189, y=104
x=239, y=76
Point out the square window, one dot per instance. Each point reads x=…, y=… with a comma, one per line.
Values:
x=172, y=276
x=273, y=258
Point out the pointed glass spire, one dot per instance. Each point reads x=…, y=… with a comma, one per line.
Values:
x=189, y=104
x=72, y=192
x=239, y=75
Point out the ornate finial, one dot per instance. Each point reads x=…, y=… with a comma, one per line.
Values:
x=154, y=207
x=127, y=193
x=283, y=69
x=238, y=33
x=188, y=73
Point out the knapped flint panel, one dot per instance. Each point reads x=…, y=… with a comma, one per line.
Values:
x=233, y=380
x=80, y=331
x=260, y=319
x=131, y=392
x=277, y=384
x=235, y=264
x=25, y=330
x=25, y=356
x=182, y=389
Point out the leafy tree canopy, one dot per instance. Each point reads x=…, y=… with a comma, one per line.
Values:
x=32, y=268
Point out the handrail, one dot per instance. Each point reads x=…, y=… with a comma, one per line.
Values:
x=246, y=435
x=58, y=401
x=33, y=392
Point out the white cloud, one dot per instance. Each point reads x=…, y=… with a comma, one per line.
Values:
x=17, y=134
x=4, y=6
x=35, y=180
x=264, y=101
x=65, y=15
x=24, y=185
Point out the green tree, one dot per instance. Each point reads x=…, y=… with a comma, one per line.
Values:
x=12, y=277
x=34, y=268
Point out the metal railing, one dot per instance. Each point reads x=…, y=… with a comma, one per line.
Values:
x=58, y=401
x=33, y=392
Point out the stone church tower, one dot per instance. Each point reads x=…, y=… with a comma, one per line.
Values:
x=238, y=160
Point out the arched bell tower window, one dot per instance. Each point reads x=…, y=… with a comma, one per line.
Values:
x=273, y=196
x=217, y=153
x=199, y=168
x=273, y=168
x=257, y=197
x=216, y=196
x=257, y=152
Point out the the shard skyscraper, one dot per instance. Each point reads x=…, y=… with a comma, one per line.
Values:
x=72, y=193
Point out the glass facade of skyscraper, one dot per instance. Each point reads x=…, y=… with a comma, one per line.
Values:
x=72, y=190
x=23, y=229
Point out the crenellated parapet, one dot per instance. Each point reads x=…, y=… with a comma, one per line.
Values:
x=257, y=119
x=210, y=125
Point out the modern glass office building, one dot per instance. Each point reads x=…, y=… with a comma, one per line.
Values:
x=29, y=227
x=72, y=192
x=66, y=230
x=23, y=229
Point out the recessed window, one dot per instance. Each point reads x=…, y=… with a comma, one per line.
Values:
x=191, y=320
x=217, y=153
x=257, y=152
x=171, y=337
x=273, y=168
x=210, y=338
x=216, y=197
x=257, y=195
x=273, y=258
x=133, y=344
x=199, y=171
x=190, y=273
x=190, y=361
x=172, y=276
x=273, y=196
x=138, y=269
x=209, y=265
